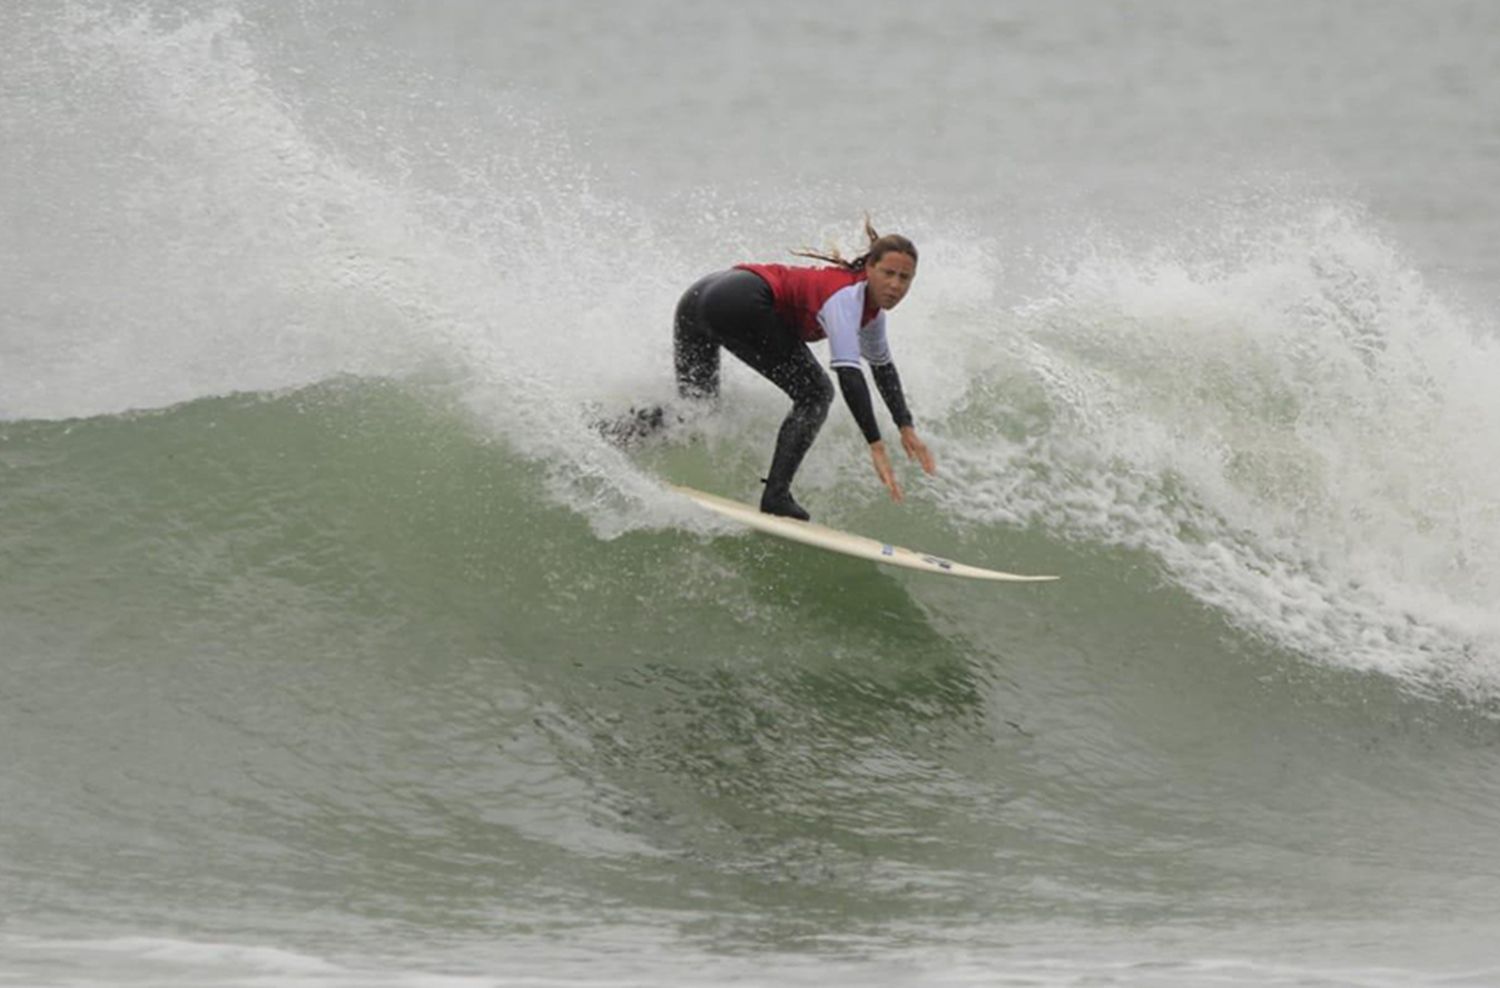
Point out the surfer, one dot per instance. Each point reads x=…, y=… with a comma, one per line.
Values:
x=766, y=314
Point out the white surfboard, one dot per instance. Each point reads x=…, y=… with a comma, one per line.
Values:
x=811, y=533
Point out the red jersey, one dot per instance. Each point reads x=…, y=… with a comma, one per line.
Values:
x=831, y=303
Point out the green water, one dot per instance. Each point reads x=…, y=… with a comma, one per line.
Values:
x=334, y=653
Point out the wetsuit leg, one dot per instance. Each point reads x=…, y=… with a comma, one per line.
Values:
x=738, y=309
x=811, y=393
x=695, y=349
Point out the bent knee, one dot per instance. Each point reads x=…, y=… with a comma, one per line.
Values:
x=816, y=395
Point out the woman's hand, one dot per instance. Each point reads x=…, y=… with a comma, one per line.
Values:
x=882, y=461
x=917, y=450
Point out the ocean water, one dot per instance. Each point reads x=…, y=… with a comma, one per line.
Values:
x=337, y=648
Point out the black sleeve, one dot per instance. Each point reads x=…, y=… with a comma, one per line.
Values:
x=857, y=397
x=889, y=383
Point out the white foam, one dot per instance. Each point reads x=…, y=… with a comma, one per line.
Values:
x=1303, y=433
x=195, y=237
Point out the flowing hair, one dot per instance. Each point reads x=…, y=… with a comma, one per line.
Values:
x=878, y=247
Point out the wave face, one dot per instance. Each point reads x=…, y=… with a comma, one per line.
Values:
x=336, y=650
x=321, y=596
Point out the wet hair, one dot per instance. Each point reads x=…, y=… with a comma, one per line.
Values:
x=879, y=246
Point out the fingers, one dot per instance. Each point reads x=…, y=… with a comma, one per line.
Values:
x=917, y=450
x=885, y=472
x=925, y=458
x=895, y=489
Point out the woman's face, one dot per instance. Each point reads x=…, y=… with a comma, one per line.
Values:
x=889, y=278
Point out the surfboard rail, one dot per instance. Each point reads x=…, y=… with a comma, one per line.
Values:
x=847, y=543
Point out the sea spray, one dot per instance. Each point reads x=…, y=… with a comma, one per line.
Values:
x=1295, y=428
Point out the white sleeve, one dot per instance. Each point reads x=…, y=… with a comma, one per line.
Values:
x=839, y=318
x=873, y=345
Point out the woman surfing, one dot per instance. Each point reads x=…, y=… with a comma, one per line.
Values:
x=767, y=314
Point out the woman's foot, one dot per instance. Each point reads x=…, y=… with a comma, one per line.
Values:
x=780, y=502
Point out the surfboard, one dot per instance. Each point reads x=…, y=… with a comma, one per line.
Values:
x=859, y=546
